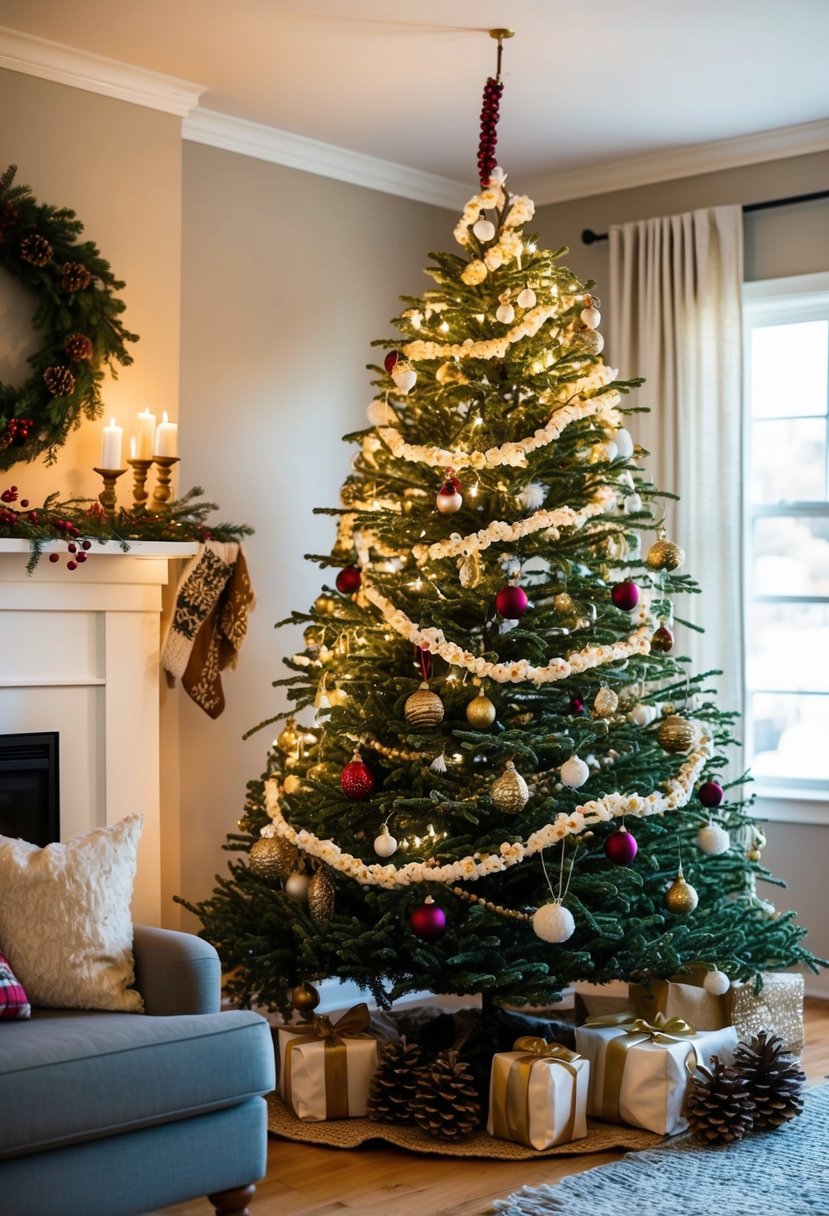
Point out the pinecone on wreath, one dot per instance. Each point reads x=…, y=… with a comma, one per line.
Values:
x=719, y=1107
x=59, y=380
x=446, y=1103
x=75, y=276
x=36, y=250
x=78, y=347
x=394, y=1085
x=775, y=1079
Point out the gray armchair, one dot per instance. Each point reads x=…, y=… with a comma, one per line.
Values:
x=115, y=1114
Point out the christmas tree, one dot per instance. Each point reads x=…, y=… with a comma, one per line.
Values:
x=498, y=774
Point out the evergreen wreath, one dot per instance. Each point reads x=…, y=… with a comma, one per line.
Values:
x=78, y=313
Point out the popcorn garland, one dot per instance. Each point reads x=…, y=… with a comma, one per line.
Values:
x=510, y=853
x=491, y=348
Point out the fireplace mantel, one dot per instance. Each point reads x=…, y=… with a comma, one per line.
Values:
x=79, y=654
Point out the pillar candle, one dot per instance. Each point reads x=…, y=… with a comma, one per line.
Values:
x=145, y=436
x=111, y=446
x=166, y=438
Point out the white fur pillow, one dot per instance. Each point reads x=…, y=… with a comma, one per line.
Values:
x=65, y=922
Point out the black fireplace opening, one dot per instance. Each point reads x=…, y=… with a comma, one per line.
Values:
x=29, y=787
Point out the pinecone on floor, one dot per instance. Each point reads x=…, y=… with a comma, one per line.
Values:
x=446, y=1103
x=774, y=1077
x=719, y=1107
x=393, y=1087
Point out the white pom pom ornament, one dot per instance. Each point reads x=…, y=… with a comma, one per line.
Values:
x=553, y=922
x=643, y=715
x=713, y=839
x=624, y=443
x=574, y=773
x=716, y=983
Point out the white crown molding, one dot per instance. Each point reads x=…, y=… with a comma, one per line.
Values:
x=326, y=160
x=681, y=162
x=82, y=70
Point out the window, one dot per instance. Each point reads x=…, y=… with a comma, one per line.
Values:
x=786, y=478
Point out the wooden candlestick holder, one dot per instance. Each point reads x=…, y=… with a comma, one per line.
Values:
x=107, y=496
x=140, y=469
x=162, y=491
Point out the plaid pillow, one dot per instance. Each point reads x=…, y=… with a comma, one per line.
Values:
x=13, y=1000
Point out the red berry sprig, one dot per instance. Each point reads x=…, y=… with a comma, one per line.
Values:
x=489, y=129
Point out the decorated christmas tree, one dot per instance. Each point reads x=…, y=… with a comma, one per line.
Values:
x=497, y=773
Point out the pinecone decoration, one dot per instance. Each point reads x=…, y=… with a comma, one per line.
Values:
x=75, y=276
x=394, y=1085
x=719, y=1106
x=59, y=380
x=36, y=250
x=446, y=1103
x=775, y=1080
x=78, y=347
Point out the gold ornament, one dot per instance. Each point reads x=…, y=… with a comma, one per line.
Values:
x=321, y=892
x=313, y=635
x=305, y=998
x=288, y=738
x=325, y=605
x=271, y=857
x=424, y=708
x=563, y=603
x=606, y=702
x=681, y=898
x=509, y=792
x=480, y=712
x=675, y=734
x=469, y=571
x=664, y=555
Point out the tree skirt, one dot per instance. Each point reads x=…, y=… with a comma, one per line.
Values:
x=349, y=1133
x=784, y=1171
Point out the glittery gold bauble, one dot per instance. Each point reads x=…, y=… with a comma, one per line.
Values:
x=288, y=738
x=563, y=603
x=681, y=898
x=469, y=571
x=313, y=635
x=509, y=792
x=305, y=998
x=665, y=555
x=480, y=712
x=606, y=702
x=424, y=708
x=325, y=605
x=293, y=784
x=272, y=857
x=320, y=896
x=675, y=734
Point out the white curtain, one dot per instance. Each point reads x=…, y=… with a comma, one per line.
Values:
x=675, y=318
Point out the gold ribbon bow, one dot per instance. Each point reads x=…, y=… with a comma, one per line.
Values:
x=511, y=1093
x=352, y=1025
x=635, y=1030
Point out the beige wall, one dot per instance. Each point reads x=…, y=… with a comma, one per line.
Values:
x=287, y=278
x=779, y=242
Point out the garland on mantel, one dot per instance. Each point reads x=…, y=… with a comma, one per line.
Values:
x=82, y=521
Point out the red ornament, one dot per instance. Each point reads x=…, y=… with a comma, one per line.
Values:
x=356, y=779
x=391, y=360
x=575, y=705
x=348, y=580
x=620, y=847
x=625, y=595
x=428, y=921
x=511, y=602
x=663, y=640
x=710, y=793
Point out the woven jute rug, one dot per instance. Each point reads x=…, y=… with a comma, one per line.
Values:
x=349, y=1133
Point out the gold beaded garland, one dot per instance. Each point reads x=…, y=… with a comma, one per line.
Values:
x=480, y=712
x=424, y=708
x=510, y=792
x=681, y=898
x=675, y=734
x=498, y=909
x=320, y=896
x=272, y=857
x=664, y=555
x=606, y=702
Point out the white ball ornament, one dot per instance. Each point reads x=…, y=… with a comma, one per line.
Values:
x=380, y=413
x=405, y=377
x=591, y=317
x=642, y=715
x=505, y=313
x=574, y=773
x=448, y=500
x=713, y=839
x=553, y=922
x=624, y=443
x=716, y=983
x=484, y=229
x=526, y=298
x=633, y=504
x=296, y=885
x=385, y=844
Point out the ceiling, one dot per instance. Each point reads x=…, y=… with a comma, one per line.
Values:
x=590, y=84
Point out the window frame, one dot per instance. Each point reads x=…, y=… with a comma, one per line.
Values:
x=769, y=302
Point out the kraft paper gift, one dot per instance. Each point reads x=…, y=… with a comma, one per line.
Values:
x=639, y=1071
x=681, y=999
x=538, y=1094
x=325, y=1069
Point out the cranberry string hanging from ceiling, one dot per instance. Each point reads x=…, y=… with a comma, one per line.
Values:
x=490, y=110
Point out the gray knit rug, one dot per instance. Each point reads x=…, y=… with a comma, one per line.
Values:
x=779, y=1173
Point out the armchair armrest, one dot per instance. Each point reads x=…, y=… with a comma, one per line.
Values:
x=176, y=972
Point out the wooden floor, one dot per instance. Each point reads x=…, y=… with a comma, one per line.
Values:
x=308, y=1181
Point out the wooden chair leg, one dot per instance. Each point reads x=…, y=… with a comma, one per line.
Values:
x=234, y=1202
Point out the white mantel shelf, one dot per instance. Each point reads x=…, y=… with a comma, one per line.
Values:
x=79, y=654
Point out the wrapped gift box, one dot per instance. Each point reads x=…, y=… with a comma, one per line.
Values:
x=325, y=1070
x=538, y=1094
x=639, y=1072
x=674, y=999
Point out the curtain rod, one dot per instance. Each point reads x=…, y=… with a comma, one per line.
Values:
x=589, y=237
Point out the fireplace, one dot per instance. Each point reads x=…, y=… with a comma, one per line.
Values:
x=29, y=787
